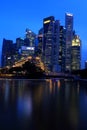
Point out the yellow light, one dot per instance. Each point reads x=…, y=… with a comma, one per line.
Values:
x=76, y=42
x=30, y=57
x=37, y=58
x=47, y=21
x=69, y=14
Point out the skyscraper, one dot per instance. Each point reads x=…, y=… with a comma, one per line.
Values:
x=7, y=53
x=28, y=48
x=48, y=33
x=56, y=45
x=51, y=43
x=69, y=37
x=19, y=43
x=61, y=59
x=40, y=43
x=30, y=38
x=76, y=53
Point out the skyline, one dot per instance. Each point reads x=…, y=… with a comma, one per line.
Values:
x=16, y=16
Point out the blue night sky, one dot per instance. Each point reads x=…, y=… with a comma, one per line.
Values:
x=17, y=15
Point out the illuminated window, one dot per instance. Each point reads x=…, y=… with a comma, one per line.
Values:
x=47, y=21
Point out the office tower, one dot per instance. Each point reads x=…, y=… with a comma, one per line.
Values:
x=25, y=47
x=76, y=53
x=7, y=53
x=26, y=51
x=61, y=59
x=17, y=47
x=48, y=30
x=19, y=43
x=40, y=43
x=30, y=38
x=16, y=55
x=69, y=37
x=55, y=48
x=51, y=43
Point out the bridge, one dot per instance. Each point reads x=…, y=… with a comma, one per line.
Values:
x=39, y=63
x=61, y=75
x=36, y=60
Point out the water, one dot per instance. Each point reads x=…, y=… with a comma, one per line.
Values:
x=54, y=104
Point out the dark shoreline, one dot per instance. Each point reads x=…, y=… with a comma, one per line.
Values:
x=41, y=76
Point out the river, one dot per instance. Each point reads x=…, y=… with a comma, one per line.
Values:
x=56, y=104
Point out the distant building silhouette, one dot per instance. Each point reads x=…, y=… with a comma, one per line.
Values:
x=7, y=53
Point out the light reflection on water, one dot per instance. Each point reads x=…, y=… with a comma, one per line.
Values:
x=43, y=104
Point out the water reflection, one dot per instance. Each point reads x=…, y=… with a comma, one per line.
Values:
x=43, y=104
x=53, y=85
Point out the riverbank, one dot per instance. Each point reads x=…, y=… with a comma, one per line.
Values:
x=41, y=76
x=18, y=76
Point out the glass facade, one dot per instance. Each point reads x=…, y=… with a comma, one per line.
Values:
x=30, y=38
x=51, y=43
x=48, y=26
x=40, y=43
x=56, y=45
x=69, y=37
x=62, y=49
x=76, y=53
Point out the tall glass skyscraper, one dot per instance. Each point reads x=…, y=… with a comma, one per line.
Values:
x=40, y=43
x=51, y=43
x=69, y=37
x=76, y=53
x=56, y=44
x=30, y=38
x=62, y=48
x=48, y=26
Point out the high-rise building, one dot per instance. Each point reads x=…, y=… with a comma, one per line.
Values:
x=61, y=59
x=51, y=43
x=17, y=47
x=19, y=43
x=26, y=47
x=69, y=37
x=26, y=51
x=56, y=45
x=40, y=43
x=16, y=55
x=30, y=38
x=76, y=53
x=48, y=33
x=7, y=53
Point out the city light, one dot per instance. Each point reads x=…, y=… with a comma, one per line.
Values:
x=47, y=21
